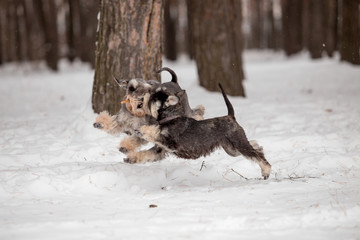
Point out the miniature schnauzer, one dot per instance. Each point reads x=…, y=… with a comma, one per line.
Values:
x=191, y=139
x=131, y=116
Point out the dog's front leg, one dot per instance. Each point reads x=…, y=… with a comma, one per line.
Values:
x=104, y=121
x=130, y=144
x=150, y=133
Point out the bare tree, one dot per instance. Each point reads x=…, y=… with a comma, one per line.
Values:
x=129, y=45
x=292, y=26
x=350, y=32
x=46, y=11
x=217, y=39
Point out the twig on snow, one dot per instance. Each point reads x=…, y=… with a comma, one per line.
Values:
x=202, y=165
x=240, y=174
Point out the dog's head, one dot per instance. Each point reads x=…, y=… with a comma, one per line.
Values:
x=164, y=103
x=137, y=94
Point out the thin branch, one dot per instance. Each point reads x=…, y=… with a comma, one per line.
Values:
x=202, y=165
x=239, y=174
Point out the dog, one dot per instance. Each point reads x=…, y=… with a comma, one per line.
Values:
x=132, y=116
x=191, y=139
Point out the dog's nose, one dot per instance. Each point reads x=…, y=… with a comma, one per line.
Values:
x=140, y=105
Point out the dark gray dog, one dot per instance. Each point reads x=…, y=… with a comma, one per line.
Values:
x=191, y=139
x=132, y=116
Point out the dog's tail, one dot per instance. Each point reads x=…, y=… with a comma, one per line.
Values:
x=173, y=74
x=228, y=103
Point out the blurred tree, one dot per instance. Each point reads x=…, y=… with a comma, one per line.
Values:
x=170, y=22
x=46, y=12
x=320, y=27
x=129, y=45
x=256, y=24
x=269, y=25
x=350, y=31
x=292, y=26
x=217, y=39
x=81, y=22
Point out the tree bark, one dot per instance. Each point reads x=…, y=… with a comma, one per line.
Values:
x=129, y=45
x=170, y=30
x=316, y=28
x=256, y=24
x=46, y=11
x=331, y=23
x=350, y=32
x=292, y=26
x=217, y=38
x=88, y=24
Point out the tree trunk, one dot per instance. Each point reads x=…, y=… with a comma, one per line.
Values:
x=10, y=39
x=350, y=32
x=2, y=21
x=47, y=14
x=88, y=24
x=256, y=24
x=331, y=23
x=316, y=28
x=129, y=45
x=170, y=29
x=292, y=26
x=72, y=22
x=217, y=38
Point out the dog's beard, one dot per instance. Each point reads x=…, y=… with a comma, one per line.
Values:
x=135, y=106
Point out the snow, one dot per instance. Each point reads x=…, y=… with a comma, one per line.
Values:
x=62, y=179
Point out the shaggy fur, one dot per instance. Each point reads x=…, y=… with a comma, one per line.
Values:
x=131, y=116
x=191, y=139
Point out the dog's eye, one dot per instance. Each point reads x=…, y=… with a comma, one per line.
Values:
x=131, y=89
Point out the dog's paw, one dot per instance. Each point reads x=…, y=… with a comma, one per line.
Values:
x=98, y=125
x=104, y=121
x=131, y=160
x=128, y=160
x=123, y=150
x=265, y=169
x=138, y=133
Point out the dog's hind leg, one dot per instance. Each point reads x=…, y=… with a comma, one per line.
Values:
x=246, y=149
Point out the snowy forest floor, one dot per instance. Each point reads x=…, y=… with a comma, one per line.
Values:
x=62, y=179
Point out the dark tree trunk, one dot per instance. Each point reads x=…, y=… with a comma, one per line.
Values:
x=47, y=16
x=34, y=32
x=321, y=27
x=331, y=23
x=256, y=24
x=72, y=21
x=10, y=46
x=189, y=33
x=170, y=29
x=292, y=26
x=88, y=24
x=269, y=25
x=129, y=45
x=316, y=28
x=2, y=22
x=217, y=38
x=350, y=32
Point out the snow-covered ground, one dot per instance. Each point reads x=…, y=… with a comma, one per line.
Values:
x=62, y=179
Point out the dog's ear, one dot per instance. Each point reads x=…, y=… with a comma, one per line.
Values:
x=171, y=100
x=122, y=82
x=180, y=94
